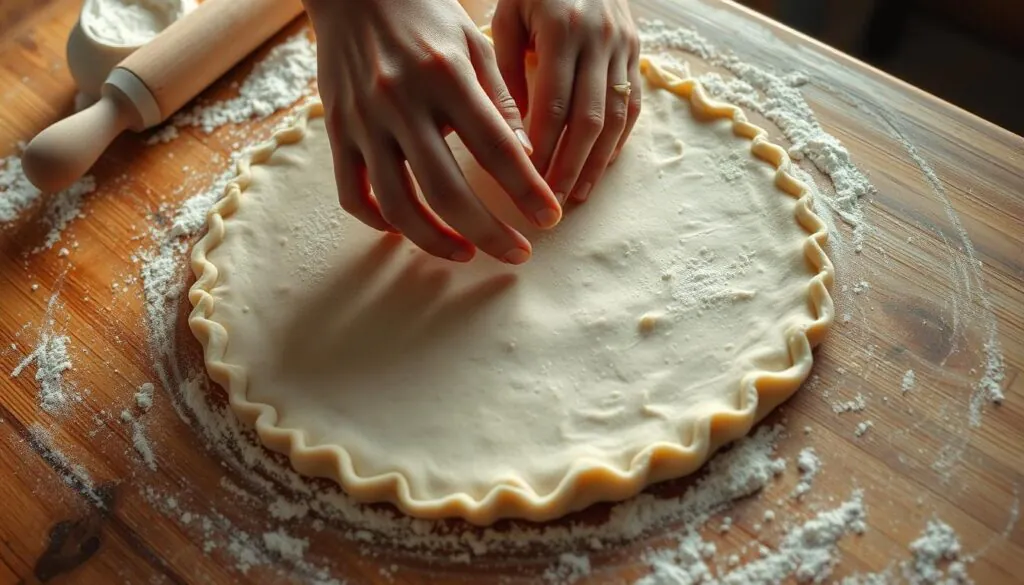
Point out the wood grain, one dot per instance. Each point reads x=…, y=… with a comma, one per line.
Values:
x=925, y=310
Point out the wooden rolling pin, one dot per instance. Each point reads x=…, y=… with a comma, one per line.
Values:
x=154, y=82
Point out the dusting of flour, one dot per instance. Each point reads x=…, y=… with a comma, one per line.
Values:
x=17, y=194
x=278, y=81
x=50, y=357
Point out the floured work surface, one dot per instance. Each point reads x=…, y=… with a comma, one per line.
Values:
x=895, y=433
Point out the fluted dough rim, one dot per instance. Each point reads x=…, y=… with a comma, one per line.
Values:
x=588, y=480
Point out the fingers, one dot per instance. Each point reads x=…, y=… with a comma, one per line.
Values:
x=633, y=107
x=354, y=188
x=550, y=108
x=494, y=144
x=401, y=207
x=586, y=123
x=615, y=119
x=510, y=43
x=490, y=79
x=450, y=196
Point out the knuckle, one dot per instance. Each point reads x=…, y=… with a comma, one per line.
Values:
x=560, y=30
x=605, y=28
x=498, y=148
x=556, y=109
x=591, y=121
x=439, y=62
x=618, y=116
x=633, y=42
x=479, y=40
x=504, y=101
x=634, y=107
x=577, y=16
x=334, y=116
x=385, y=86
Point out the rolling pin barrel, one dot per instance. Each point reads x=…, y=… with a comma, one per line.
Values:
x=193, y=52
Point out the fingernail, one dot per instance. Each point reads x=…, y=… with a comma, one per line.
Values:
x=461, y=255
x=615, y=157
x=583, y=191
x=561, y=198
x=548, y=217
x=521, y=135
x=516, y=256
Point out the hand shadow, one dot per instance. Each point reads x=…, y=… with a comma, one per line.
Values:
x=373, y=326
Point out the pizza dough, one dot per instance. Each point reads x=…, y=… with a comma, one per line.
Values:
x=657, y=322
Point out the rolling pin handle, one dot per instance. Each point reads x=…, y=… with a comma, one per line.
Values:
x=61, y=154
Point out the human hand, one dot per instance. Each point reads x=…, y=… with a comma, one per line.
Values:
x=394, y=76
x=587, y=83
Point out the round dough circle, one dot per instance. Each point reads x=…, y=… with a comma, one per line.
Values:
x=657, y=322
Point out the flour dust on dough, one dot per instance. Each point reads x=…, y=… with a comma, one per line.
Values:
x=657, y=322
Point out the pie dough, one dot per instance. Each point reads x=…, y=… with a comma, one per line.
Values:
x=657, y=322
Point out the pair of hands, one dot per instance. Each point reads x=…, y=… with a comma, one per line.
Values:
x=396, y=75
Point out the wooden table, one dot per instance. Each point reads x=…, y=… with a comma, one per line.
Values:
x=944, y=260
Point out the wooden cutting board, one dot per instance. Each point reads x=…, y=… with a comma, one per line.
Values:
x=944, y=262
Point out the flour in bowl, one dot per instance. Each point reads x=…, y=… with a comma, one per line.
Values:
x=131, y=22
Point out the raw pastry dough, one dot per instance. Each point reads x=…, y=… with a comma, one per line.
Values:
x=657, y=322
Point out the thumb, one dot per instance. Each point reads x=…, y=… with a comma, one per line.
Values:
x=511, y=41
x=500, y=94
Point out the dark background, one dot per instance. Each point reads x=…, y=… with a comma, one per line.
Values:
x=968, y=52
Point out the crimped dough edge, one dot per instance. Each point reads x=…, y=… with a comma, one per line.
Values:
x=587, y=481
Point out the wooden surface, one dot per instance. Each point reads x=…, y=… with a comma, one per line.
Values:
x=924, y=311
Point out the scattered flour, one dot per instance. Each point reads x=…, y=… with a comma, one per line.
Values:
x=278, y=81
x=936, y=558
x=991, y=382
x=909, y=380
x=863, y=427
x=139, y=439
x=72, y=474
x=162, y=281
x=51, y=359
x=1014, y=514
x=282, y=509
x=286, y=546
x=164, y=135
x=856, y=405
x=807, y=553
x=968, y=277
x=569, y=569
x=18, y=194
x=63, y=208
x=144, y=397
x=809, y=465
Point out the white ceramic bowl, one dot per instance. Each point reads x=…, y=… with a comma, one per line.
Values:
x=91, y=58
